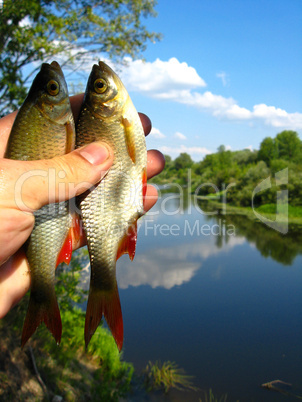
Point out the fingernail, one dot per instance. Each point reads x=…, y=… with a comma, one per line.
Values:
x=95, y=153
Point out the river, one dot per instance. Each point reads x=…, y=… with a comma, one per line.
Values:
x=219, y=295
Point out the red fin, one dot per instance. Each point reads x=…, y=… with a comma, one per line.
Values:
x=66, y=250
x=129, y=138
x=144, y=180
x=105, y=303
x=76, y=227
x=128, y=242
x=37, y=313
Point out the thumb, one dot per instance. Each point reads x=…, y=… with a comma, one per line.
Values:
x=28, y=185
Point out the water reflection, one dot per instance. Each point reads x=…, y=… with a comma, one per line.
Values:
x=170, y=266
x=178, y=237
x=281, y=248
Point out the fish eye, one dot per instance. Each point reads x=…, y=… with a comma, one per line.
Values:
x=53, y=87
x=100, y=85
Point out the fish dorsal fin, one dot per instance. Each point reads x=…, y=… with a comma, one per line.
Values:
x=129, y=138
x=128, y=242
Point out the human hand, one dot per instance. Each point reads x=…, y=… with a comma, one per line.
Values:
x=16, y=215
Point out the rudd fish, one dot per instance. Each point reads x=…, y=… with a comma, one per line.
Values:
x=111, y=209
x=44, y=128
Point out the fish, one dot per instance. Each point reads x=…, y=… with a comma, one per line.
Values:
x=110, y=210
x=44, y=128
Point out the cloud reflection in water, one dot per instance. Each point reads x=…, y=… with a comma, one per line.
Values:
x=169, y=266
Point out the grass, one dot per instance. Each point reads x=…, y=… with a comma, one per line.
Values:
x=166, y=376
x=293, y=212
x=210, y=397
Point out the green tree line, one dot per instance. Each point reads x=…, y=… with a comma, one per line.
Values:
x=239, y=172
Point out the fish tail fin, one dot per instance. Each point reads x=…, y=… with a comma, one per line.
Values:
x=38, y=312
x=107, y=303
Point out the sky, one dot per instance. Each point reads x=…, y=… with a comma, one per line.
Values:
x=226, y=72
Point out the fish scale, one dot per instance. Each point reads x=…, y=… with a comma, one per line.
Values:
x=111, y=209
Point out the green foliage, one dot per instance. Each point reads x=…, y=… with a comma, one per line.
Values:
x=268, y=150
x=166, y=376
x=236, y=175
x=286, y=146
x=183, y=161
x=38, y=30
x=289, y=146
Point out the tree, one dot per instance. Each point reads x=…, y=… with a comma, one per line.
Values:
x=38, y=30
x=268, y=150
x=224, y=157
x=183, y=161
x=168, y=161
x=289, y=145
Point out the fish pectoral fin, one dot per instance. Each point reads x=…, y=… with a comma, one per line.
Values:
x=37, y=312
x=128, y=242
x=144, y=181
x=129, y=138
x=74, y=234
x=66, y=250
x=107, y=303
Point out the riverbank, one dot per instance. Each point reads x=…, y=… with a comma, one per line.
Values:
x=267, y=211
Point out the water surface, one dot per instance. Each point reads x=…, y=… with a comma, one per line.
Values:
x=220, y=295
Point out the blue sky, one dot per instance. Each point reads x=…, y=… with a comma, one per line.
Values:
x=226, y=72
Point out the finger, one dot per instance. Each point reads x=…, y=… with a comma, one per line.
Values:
x=32, y=184
x=5, y=128
x=155, y=163
x=150, y=198
x=14, y=282
x=146, y=122
x=76, y=103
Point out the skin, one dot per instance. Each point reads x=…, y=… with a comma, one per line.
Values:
x=87, y=164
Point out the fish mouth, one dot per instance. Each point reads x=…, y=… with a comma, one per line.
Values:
x=104, y=67
x=56, y=66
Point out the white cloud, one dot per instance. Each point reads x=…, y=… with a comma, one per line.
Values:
x=250, y=147
x=227, y=108
x=25, y=22
x=160, y=76
x=156, y=133
x=224, y=78
x=180, y=136
x=177, y=81
x=277, y=117
x=195, y=152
